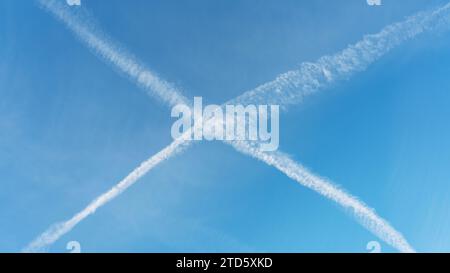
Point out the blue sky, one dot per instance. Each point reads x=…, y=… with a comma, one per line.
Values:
x=71, y=127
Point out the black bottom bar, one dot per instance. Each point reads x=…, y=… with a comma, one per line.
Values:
x=220, y=262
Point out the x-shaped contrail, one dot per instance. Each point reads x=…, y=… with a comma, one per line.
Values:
x=288, y=88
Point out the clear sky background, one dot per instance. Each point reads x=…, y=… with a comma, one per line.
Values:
x=71, y=127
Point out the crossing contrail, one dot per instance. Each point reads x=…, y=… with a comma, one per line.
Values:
x=286, y=89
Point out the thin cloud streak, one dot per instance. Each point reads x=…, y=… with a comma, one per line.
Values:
x=113, y=54
x=364, y=214
x=289, y=88
x=57, y=230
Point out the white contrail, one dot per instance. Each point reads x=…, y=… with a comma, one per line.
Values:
x=118, y=57
x=56, y=231
x=284, y=90
x=290, y=87
x=366, y=216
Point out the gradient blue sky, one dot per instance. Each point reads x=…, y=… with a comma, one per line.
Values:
x=71, y=127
